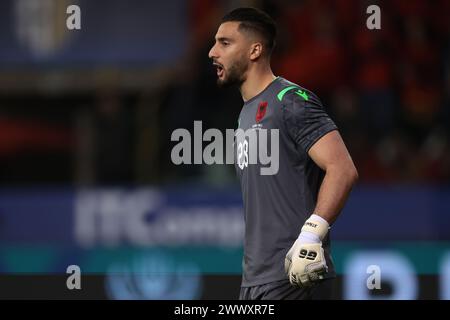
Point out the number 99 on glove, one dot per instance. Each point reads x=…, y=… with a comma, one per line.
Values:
x=305, y=261
x=305, y=264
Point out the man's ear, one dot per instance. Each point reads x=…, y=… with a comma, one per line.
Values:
x=255, y=51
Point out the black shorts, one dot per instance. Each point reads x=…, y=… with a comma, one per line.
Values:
x=283, y=290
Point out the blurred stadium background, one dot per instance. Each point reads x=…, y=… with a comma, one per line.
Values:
x=86, y=118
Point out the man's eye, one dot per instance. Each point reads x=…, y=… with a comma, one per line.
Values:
x=225, y=43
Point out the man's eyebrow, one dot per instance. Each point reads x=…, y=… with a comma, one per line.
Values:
x=221, y=39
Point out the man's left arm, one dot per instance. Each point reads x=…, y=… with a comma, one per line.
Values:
x=331, y=155
x=313, y=130
x=305, y=262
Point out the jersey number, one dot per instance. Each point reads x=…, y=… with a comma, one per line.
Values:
x=242, y=154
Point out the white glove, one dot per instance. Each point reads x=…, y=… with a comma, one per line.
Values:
x=305, y=261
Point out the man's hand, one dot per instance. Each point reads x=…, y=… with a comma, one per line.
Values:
x=305, y=261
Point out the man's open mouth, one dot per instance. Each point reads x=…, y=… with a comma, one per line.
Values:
x=220, y=69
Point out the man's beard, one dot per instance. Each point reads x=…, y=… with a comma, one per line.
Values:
x=234, y=75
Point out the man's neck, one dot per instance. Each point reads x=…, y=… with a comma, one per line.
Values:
x=256, y=82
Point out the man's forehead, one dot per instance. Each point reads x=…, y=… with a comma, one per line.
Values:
x=228, y=29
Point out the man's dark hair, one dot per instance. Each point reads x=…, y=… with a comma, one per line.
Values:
x=257, y=21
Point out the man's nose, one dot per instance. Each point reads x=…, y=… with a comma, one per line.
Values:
x=212, y=53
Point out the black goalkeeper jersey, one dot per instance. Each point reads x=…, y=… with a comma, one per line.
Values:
x=279, y=195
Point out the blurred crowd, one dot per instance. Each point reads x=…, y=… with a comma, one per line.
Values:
x=388, y=91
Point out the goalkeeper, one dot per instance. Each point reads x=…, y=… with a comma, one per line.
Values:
x=287, y=213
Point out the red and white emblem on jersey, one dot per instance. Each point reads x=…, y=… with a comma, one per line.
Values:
x=261, y=112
